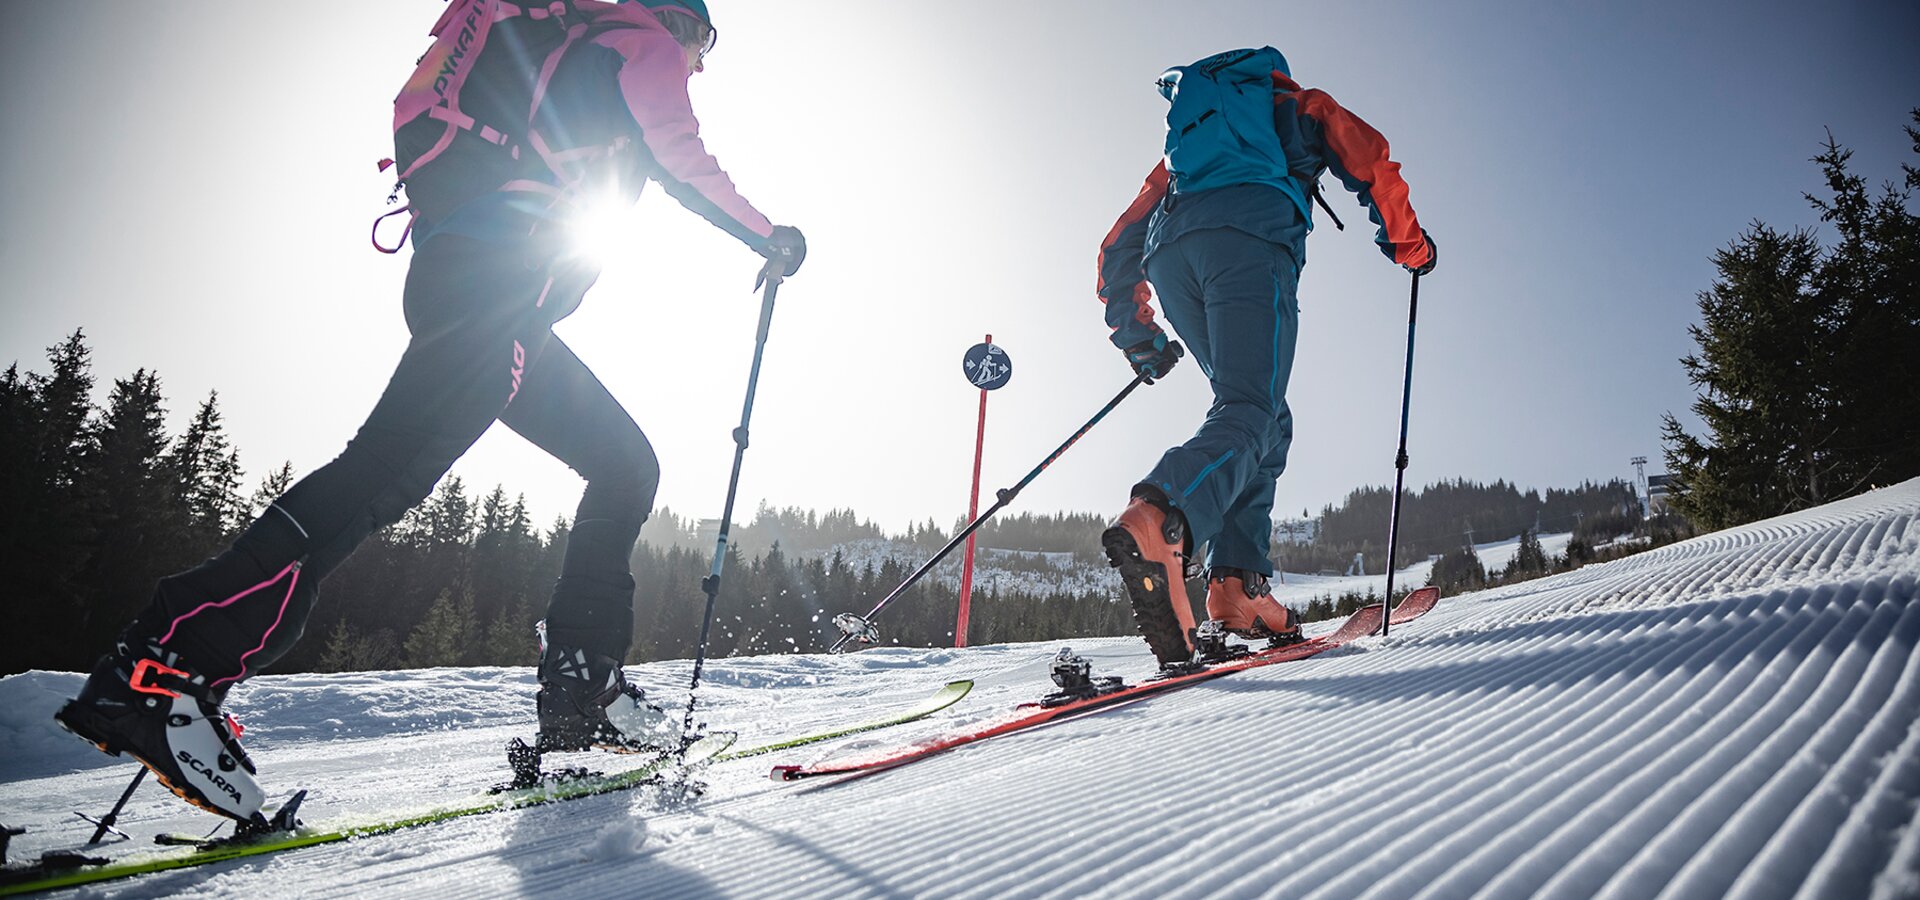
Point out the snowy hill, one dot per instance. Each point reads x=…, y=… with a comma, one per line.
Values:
x=1055, y=574
x=1298, y=590
x=1734, y=715
x=1028, y=572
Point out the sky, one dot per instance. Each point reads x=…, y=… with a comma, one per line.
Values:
x=193, y=183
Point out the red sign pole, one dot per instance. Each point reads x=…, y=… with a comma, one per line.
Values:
x=973, y=509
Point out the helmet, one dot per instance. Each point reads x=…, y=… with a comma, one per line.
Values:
x=677, y=9
x=696, y=7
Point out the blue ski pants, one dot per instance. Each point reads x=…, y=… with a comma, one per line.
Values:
x=1231, y=298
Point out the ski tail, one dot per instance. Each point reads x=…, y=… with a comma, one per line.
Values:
x=947, y=696
x=1415, y=605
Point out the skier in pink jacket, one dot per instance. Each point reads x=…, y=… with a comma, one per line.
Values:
x=519, y=113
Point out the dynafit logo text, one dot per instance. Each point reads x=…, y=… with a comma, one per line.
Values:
x=462, y=45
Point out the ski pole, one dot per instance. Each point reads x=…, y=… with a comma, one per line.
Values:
x=1400, y=459
x=105, y=823
x=860, y=628
x=771, y=276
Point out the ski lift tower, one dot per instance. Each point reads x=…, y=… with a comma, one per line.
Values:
x=1640, y=482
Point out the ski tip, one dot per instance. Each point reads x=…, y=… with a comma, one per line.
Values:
x=785, y=773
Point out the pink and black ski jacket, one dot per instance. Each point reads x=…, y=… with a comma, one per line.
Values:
x=610, y=113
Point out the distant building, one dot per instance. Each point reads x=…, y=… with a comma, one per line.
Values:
x=1657, y=493
x=708, y=532
x=1296, y=531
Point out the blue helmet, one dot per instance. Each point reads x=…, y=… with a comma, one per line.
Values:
x=697, y=7
x=694, y=8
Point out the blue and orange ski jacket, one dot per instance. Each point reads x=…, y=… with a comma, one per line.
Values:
x=1319, y=135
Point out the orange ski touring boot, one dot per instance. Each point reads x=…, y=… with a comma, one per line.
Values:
x=1243, y=603
x=1149, y=547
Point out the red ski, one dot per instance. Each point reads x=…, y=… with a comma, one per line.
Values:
x=1363, y=622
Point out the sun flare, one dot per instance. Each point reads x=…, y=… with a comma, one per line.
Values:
x=603, y=229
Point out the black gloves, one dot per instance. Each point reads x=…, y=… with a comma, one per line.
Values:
x=1154, y=358
x=1433, y=255
x=787, y=247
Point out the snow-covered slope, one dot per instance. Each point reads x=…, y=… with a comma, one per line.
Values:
x=1735, y=715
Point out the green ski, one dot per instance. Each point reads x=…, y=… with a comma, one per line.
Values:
x=707, y=749
x=712, y=748
x=939, y=700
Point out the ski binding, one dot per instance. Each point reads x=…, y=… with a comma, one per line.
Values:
x=1074, y=676
x=524, y=758
x=285, y=821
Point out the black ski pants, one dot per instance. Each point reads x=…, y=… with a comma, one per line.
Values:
x=481, y=315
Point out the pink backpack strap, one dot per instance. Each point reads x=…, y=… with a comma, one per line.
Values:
x=574, y=33
x=443, y=71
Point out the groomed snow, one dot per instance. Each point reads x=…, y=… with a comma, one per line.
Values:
x=1735, y=715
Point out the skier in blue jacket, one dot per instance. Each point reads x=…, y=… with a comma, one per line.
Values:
x=1219, y=232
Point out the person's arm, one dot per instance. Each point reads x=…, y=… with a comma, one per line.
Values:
x=653, y=80
x=1358, y=155
x=1123, y=286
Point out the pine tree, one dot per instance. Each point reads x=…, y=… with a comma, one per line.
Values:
x=1761, y=368
x=1578, y=554
x=270, y=489
x=493, y=552
x=509, y=641
x=44, y=436
x=1871, y=277
x=1529, y=561
x=348, y=650
x=1806, y=370
x=138, y=528
x=1456, y=571
x=340, y=649
x=440, y=531
x=205, y=469
x=446, y=636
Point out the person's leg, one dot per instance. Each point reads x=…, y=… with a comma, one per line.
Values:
x=564, y=410
x=1246, y=532
x=476, y=314
x=1149, y=543
x=1250, y=317
x=585, y=700
x=1239, y=570
x=473, y=308
x=1249, y=309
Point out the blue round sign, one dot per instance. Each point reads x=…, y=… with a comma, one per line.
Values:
x=988, y=367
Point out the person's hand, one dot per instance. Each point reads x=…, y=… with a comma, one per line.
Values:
x=1433, y=255
x=1154, y=358
x=787, y=247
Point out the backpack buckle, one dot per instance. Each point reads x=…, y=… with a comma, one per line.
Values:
x=144, y=678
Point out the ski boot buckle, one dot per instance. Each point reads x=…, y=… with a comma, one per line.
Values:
x=146, y=678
